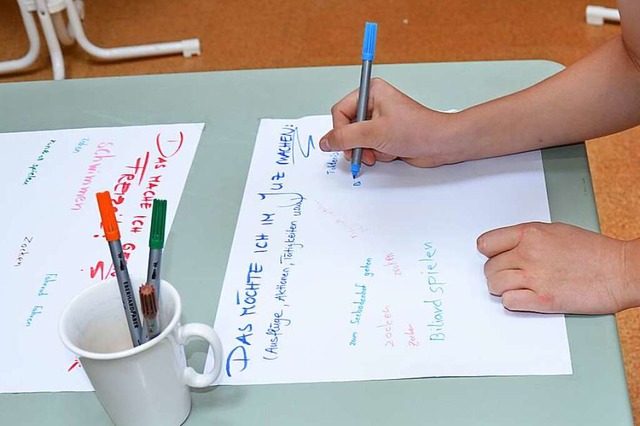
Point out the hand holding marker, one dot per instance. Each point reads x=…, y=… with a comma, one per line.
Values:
x=112, y=235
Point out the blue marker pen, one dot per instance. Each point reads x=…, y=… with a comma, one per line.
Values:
x=368, y=52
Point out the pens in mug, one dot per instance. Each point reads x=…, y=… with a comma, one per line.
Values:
x=156, y=244
x=368, y=52
x=148, y=302
x=112, y=235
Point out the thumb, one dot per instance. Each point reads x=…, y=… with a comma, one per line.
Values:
x=526, y=300
x=354, y=135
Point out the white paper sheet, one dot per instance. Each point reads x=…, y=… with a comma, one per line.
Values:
x=334, y=280
x=52, y=245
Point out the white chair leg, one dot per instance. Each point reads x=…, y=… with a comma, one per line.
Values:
x=597, y=15
x=34, y=44
x=188, y=47
x=57, y=61
x=65, y=37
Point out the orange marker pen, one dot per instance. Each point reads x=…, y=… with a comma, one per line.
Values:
x=112, y=234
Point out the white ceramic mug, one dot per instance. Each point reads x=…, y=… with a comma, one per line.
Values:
x=143, y=385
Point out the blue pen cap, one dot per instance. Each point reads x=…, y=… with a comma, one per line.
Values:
x=369, y=43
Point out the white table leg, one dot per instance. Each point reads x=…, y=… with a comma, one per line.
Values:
x=57, y=61
x=188, y=47
x=596, y=15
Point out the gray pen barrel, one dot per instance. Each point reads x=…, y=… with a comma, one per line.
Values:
x=363, y=101
x=153, y=274
x=153, y=270
x=126, y=292
x=363, y=95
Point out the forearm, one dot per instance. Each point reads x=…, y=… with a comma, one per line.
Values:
x=631, y=274
x=596, y=96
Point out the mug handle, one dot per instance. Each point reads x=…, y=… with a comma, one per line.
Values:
x=196, y=330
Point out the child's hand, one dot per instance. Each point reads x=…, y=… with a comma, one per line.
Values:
x=399, y=128
x=543, y=267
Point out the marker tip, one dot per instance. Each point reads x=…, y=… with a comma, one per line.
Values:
x=355, y=169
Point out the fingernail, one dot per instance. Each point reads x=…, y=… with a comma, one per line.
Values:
x=324, y=144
